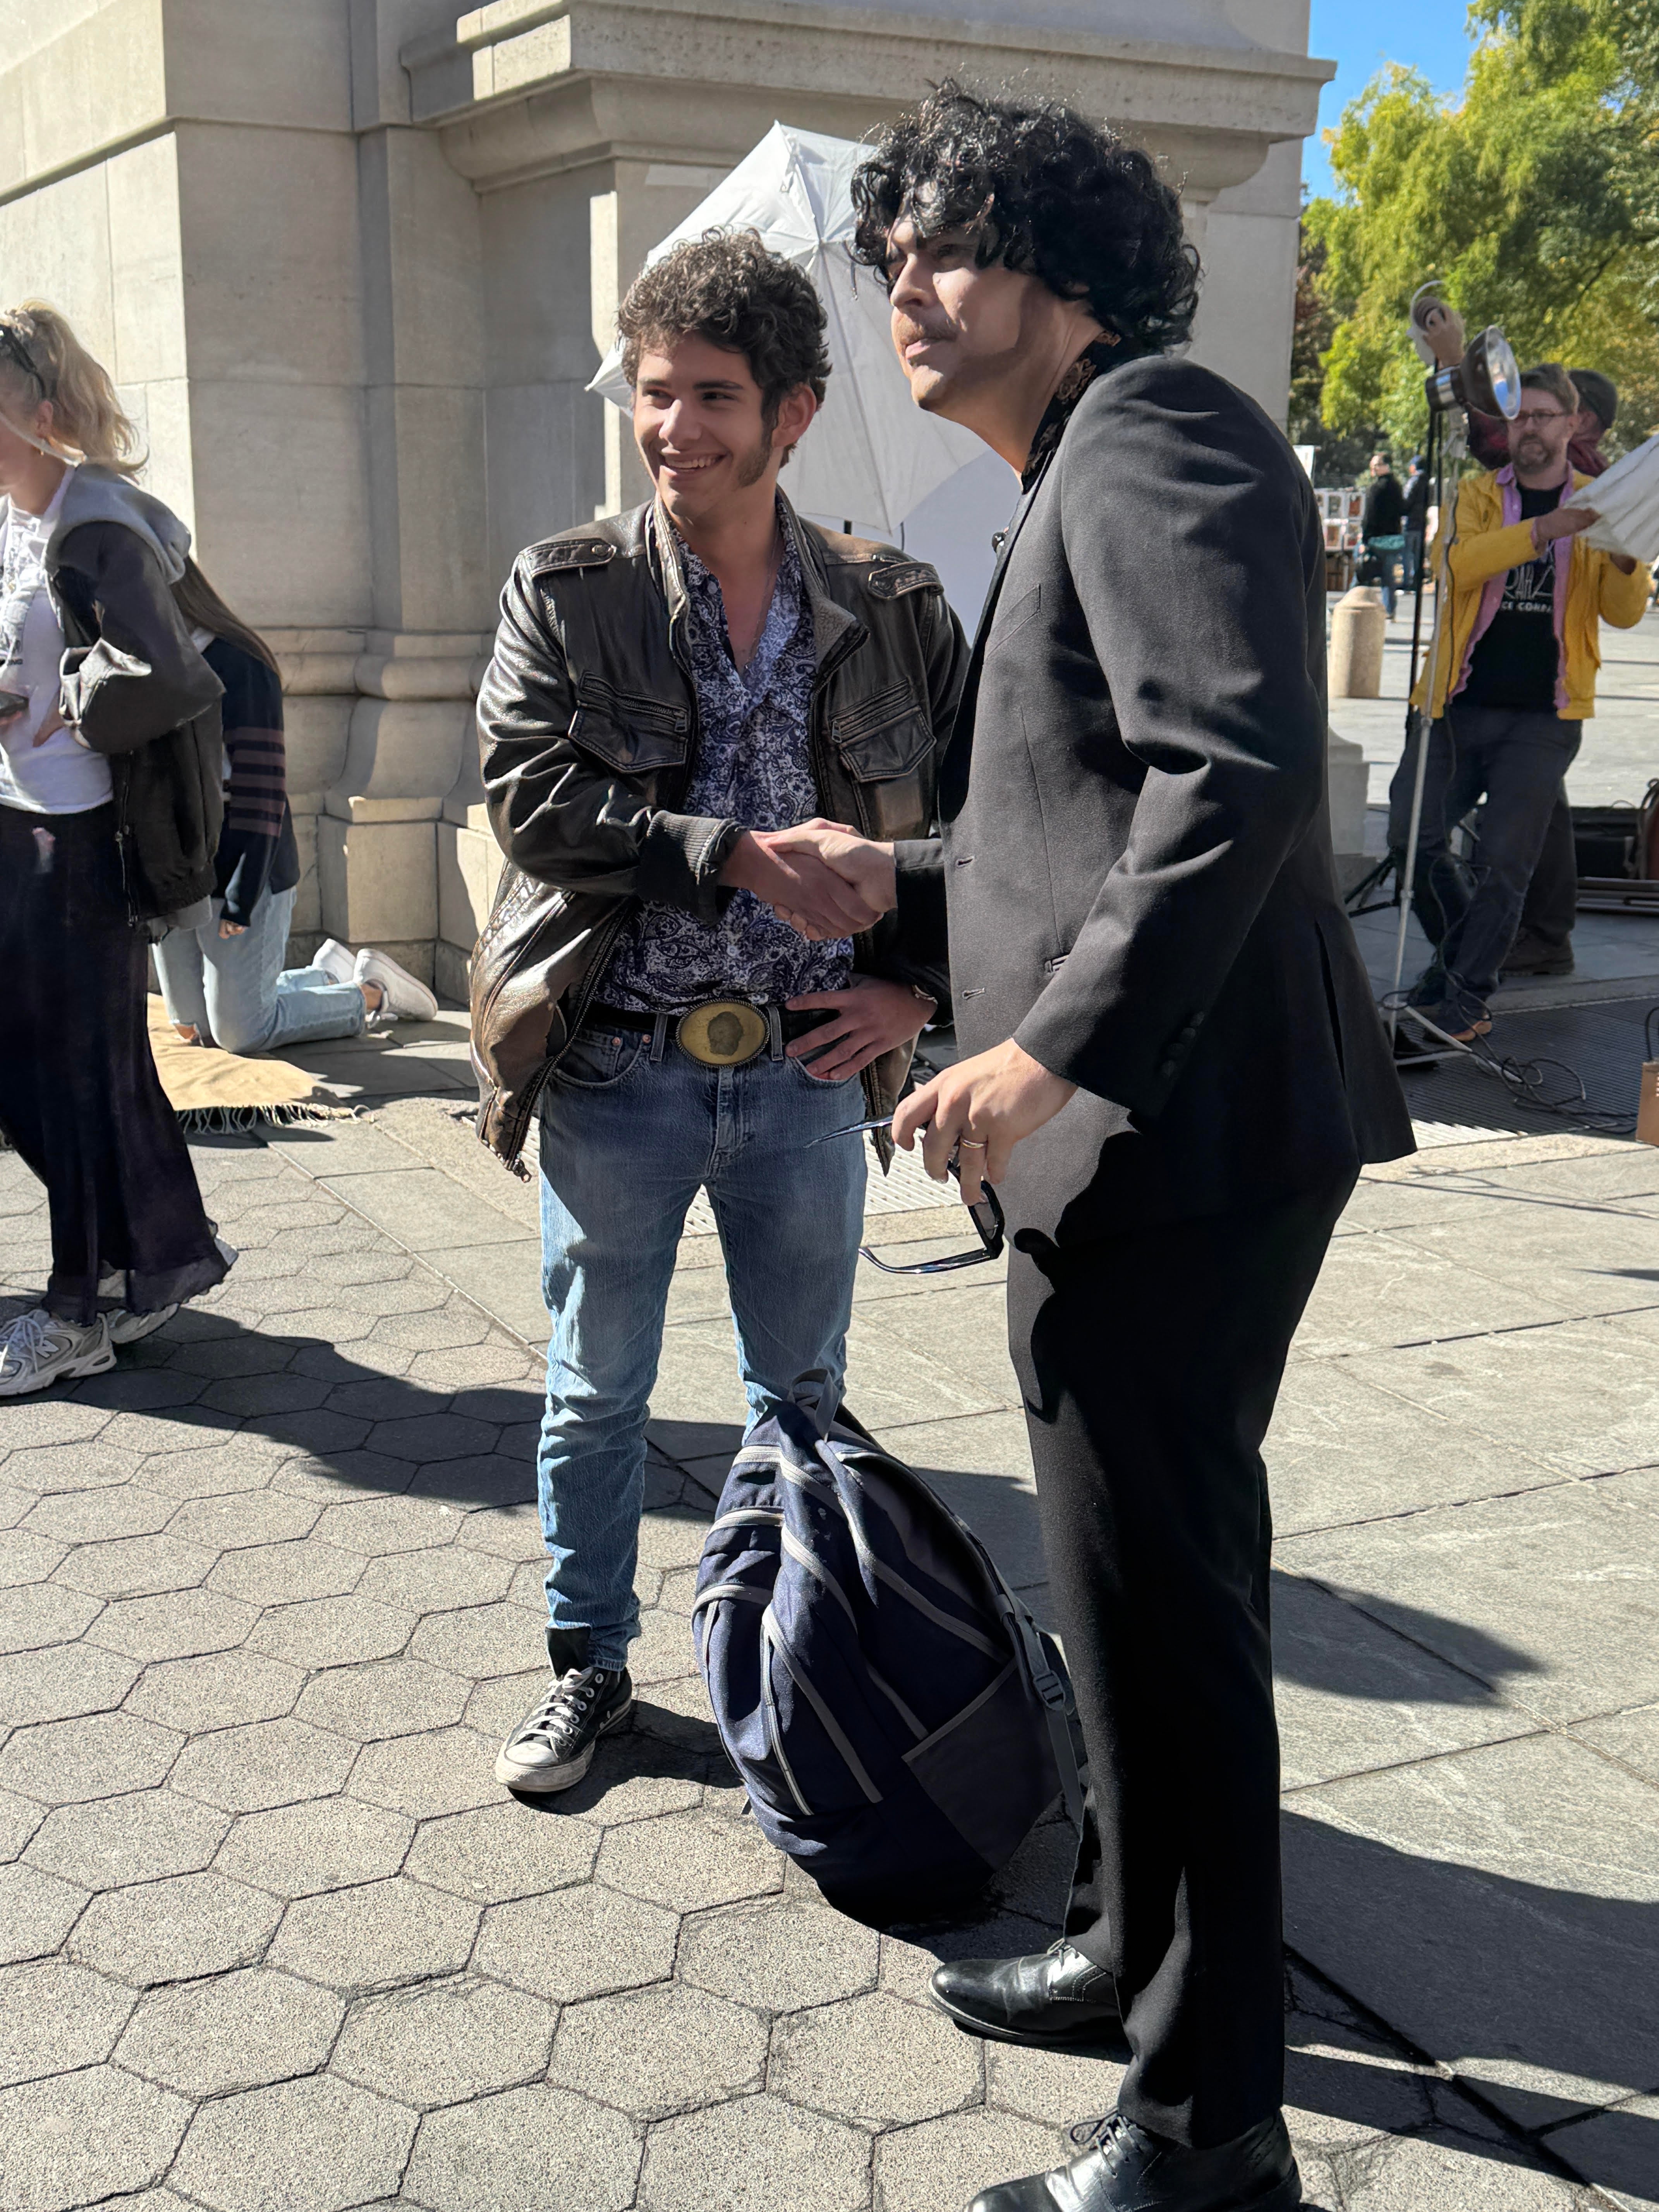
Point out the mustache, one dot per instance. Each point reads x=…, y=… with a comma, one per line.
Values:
x=908, y=331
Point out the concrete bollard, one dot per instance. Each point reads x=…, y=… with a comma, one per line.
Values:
x=1358, y=627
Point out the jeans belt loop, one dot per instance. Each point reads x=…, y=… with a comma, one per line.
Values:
x=659, y=1039
x=774, y=1032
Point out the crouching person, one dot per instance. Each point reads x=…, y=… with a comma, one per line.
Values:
x=672, y=691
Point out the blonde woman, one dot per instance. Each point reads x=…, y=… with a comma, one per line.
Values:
x=110, y=811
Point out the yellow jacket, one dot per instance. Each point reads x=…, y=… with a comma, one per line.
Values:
x=1484, y=551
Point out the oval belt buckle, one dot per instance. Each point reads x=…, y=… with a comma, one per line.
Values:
x=723, y=1032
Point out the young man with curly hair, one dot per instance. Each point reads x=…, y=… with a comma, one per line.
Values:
x=1171, y=1067
x=672, y=691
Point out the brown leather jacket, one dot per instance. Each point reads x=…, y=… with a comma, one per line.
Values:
x=587, y=724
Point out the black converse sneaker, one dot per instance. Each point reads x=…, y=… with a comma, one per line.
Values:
x=552, y=1747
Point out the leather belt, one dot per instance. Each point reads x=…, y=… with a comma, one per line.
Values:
x=717, y=1032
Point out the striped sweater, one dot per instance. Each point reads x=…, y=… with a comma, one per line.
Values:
x=257, y=848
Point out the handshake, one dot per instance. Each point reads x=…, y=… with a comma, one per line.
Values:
x=822, y=877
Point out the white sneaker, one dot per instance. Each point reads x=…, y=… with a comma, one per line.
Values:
x=127, y=1327
x=402, y=999
x=336, y=962
x=38, y=1349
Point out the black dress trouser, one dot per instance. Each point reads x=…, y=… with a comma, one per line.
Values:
x=1150, y=1362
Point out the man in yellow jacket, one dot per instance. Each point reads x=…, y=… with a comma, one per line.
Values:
x=1512, y=680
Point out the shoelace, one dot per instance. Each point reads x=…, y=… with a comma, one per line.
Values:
x=564, y=1709
x=29, y=1336
x=1108, y=2133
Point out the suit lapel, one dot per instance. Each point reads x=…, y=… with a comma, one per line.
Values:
x=959, y=755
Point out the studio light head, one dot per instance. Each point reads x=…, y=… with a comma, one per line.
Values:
x=1484, y=376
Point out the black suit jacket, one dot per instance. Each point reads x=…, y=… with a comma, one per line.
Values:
x=1136, y=851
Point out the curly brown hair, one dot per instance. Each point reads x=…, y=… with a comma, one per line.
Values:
x=727, y=289
x=1044, y=190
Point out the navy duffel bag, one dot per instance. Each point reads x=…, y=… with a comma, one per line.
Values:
x=899, y=1720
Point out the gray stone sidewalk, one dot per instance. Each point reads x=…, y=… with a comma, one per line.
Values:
x=276, y=1939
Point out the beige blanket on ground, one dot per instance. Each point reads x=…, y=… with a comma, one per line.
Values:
x=199, y=1080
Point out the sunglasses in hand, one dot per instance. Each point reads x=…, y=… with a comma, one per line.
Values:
x=986, y=1214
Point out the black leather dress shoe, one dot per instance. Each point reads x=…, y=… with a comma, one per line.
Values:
x=1054, y=1996
x=1124, y=2169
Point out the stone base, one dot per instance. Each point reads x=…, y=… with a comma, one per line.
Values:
x=449, y=972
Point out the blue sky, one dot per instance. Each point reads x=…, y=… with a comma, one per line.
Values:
x=1424, y=35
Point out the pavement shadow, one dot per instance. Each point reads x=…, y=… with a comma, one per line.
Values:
x=1545, y=2000
x=1353, y=1663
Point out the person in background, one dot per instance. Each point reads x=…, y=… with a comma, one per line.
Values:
x=1381, y=525
x=1414, y=522
x=1543, y=944
x=1511, y=690
x=110, y=809
x=224, y=980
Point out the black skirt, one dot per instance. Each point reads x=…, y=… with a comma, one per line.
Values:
x=79, y=1095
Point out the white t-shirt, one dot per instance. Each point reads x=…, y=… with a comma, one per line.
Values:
x=62, y=777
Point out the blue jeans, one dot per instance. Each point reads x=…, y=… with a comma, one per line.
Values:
x=236, y=991
x=628, y=1140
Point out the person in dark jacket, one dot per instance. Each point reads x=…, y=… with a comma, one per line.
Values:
x=1382, y=525
x=1172, y=1068
x=1414, y=521
x=110, y=807
x=224, y=979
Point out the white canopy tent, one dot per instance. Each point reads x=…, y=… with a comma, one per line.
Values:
x=871, y=458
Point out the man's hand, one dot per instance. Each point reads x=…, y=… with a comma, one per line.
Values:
x=871, y=1016
x=981, y=1108
x=1561, y=522
x=232, y=928
x=867, y=866
x=815, y=898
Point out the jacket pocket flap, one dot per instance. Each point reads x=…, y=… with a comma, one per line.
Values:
x=629, y=730
x=886, y=736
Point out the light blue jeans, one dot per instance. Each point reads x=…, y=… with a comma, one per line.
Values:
x=626, y=1142
x=235, y=991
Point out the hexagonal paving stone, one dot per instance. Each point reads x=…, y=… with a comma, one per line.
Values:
x=376, y=1525
x=444, y=1771
x=690, y=1859
x=247, y=1462
x=481, y=1641
x=69, y=1679
x=578, y=1942
x=223, y=1690
x=505, y=1852
x=134, y=1566
x=171, y=1930
x=425, y=1438
x=402, y=1697
x=181, y=1625
x=89, y=1516
x=40, y=1613
x=1054, y=2086
x=344, y=1476
x=436, y=1581
x=780, y=1956
x=55, y=2017
x=658, y=2051
x=376, y=1935
x=496, y=1478
x=53, y=1421
x=81, y=2137
x=509, y=1532
x=27, y=1558
x=238, y=2031
x=285, y=1574
x=298, y=1850
x=672, y=1540
x=442, y=2041
x=948, y=2162
x=37, y=1911
x=215, y=1356
x=237, y=1521
x=18, y=1818
x=524, y=2148
x=664, y=1652
x=756, y=2154
x=449, y=1321
x=876, y=2059
x=331, y=1632
x=266, y=1763
x=113, y=1841
x=64, y=1762
x=313, y=2146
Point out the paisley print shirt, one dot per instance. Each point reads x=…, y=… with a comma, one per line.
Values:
x=753, y=765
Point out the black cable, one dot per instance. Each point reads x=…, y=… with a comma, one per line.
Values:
x=1524, y=1080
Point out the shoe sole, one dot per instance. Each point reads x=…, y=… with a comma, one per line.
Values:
x=1102, y=2032
x=133, y=1328
x=547, y=1782
x=72, y=1371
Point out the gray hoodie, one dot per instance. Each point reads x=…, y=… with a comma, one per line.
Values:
x=95, y=494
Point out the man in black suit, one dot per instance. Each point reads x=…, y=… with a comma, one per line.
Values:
x=1172, y=1068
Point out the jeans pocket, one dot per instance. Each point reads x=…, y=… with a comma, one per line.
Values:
x=821, y=1082
x=598, y=1058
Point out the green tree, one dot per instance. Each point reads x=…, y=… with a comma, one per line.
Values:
x=1533, y=197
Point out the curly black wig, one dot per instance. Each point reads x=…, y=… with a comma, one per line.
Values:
x=725, y=287
x=1043, y=190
